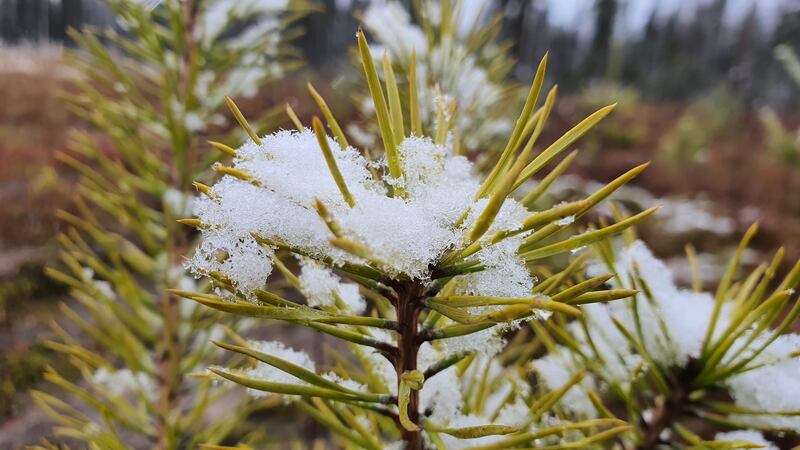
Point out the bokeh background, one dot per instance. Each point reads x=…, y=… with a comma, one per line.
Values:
x=707, y=90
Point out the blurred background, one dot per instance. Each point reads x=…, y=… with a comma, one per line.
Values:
x=709, y=90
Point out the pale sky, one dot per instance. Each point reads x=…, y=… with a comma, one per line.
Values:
x=634, y=14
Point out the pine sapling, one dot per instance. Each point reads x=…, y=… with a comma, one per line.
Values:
x=413, y=260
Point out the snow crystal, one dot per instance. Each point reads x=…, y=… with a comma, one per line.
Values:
x=124, y=381
x=566, y=221
x=515, y=414
x=610, y=343
x=178, y=202
x=396, y=445
x=361, y=136
x=555, y=370
x=289, y=174
x=241, y=259
x=502, y=276
x=103, y=287
x=677, y=318
x=222, y=13
x=780, y=394
x=345, y=383
x=441, y=182
x=510, y=216
x=488, y=342
x=458, y=69
x=391, y=25
x=748, y=436
x=266, y=372
x=471, y=420
x=320, y=286
x=442, y=396
x=400, y=233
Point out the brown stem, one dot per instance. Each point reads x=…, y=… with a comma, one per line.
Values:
x=407, y=308
x=666, y=414
x=188, y=75
x=169, y=372
x=169, y=363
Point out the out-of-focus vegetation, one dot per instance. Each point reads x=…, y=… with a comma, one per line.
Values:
x=459, y=58
x=127, y=177
x=148, y=94
x=33, y=124
x=700, y=125
x=626, y=130
x=784, y=143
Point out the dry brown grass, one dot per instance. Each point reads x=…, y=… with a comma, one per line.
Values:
x=34, y=124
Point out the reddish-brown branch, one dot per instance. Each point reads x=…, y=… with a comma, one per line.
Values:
x=407, y=308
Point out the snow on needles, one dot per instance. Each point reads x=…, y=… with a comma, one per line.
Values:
x=780, y=366
x=676, y=322
x=266, y=372
x=391, y=24
x=323, y=288
x=125, y=381
x=678, y=318
x=450, y=61
x=406, y=235
x=746, y=436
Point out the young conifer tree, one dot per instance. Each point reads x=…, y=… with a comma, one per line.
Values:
x=150, y=91
x=458, y=60
x=670, y=358
x=413, y=259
